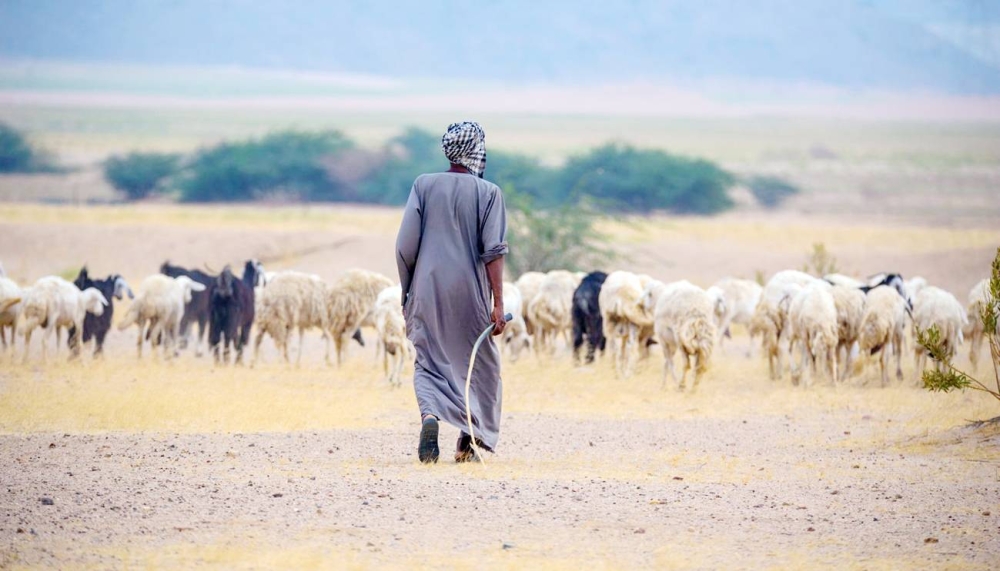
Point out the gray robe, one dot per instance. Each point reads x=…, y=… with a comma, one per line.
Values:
x=454, y=223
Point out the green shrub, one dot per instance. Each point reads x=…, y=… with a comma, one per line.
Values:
x=140, y=174
x=288, y=163
x=626, y=179
x=17, y=154
x=771, y=191
x=558, y=238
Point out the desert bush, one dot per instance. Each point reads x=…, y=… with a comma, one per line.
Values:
x=288, y=163
x=557, y=238
x=946, y=377
x=771, y=191
x=626, y=179
x=140, y=174
x=820, y=261
x=18, y=155
x=406, y=156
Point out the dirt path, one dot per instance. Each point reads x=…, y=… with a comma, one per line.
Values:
x=813, y=489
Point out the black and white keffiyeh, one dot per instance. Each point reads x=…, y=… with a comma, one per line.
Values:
x=465, y=144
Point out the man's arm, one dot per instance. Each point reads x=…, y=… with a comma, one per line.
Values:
x=494, y=273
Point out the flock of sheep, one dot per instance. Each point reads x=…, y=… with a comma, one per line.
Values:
x=814, y=324
x=819, y=324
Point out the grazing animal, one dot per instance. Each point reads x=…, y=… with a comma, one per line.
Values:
x=349, y=301
x=158, y=309
x=812, y=328
x=198, y=309
x=10, y=309
x=52, y=304
x=587, y=322
x=975, y=331
x=882, y=328
x=96, y=327
x=391, y=329
x=232, y=311
x=550, y=310
x=741, y=297
x=515, y=336
x=529, y=284
x=622, y=315
x=684, y=319
x=291, y=300
x=770, y=319
x=850, y=305
x=934, y=306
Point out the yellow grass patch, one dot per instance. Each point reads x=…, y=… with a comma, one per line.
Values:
x=189, y=396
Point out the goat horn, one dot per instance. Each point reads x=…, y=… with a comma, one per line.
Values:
x=209, y=268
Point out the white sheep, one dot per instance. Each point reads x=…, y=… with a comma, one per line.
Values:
x=842, y=280
x=812, y=328
x=850, y=304
x=934, y=306
x=528, y=284
x=770, y=319
x=160, y=305
x=290, y=300
x=390, y=327
x=913, y=286
x=882, y=325
x=975, y=331
x=622, y=314
x=741, y=299
x=10, y=308
x=349, y=301
x=684, y=319
x=54, y=303
x=515, y=336
x=551, y=309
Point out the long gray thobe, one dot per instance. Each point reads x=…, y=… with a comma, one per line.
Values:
x=454, y=223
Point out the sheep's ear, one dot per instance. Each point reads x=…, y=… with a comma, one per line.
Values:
x=195, y=286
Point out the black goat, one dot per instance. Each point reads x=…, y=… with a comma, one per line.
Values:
x=587, y=316
x=96, y=326
x=232, y=310
x=197, y=310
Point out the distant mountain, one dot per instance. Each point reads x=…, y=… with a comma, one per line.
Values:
x=856, y=44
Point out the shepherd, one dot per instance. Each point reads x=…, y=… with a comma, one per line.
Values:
x=450, y=256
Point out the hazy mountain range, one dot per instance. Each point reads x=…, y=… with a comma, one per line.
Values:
x=924, y=45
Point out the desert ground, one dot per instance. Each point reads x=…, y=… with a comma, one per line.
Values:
x=121, y=463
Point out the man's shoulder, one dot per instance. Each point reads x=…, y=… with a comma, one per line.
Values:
x=428, y=179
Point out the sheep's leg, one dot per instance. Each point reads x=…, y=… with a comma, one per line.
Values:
x=897, y=349
x=27, y=344
x=338, y=343
x=668, y=366
x=256, y=346
x=885, y=366
x=975, y=341
x=138, y=342
x=298, y=356
x=833, y=366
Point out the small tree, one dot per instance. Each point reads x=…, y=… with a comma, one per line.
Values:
x=770, y=191
x=562, y=238
x=140, y=174
x=17, y=154
x=946, y=377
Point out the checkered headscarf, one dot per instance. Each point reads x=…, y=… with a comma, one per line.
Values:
x=465, y=144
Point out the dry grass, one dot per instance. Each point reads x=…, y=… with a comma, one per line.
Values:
x=189, y=395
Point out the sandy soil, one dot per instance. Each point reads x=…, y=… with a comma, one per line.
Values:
x=591, y=472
